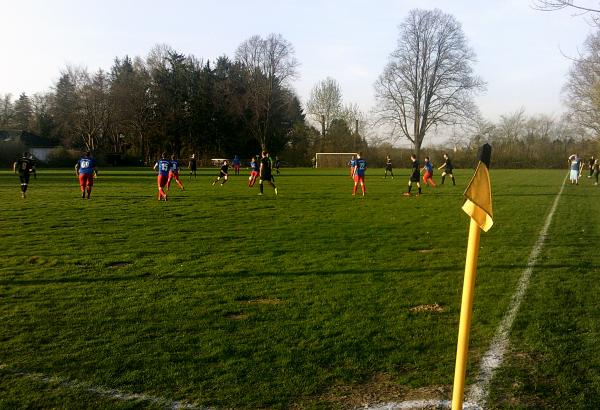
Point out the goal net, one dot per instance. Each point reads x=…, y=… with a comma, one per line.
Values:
x=333, y=159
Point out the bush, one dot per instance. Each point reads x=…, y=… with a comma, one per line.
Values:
x=10, y=151
x=62, y=157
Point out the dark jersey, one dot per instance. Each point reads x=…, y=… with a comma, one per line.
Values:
x=224, y=170
x=193, y=164
x=448, y=167
x=416, y=171
x=25, y=166
x=265, y=168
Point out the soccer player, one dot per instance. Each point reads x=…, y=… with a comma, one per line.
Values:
x=415, y=176
x=254, y=172
x=360, y=167
x=428, y=175
x=388, y=167
x=591, y=166
x=86, y=170
x=25, y=166
x=265, y=174
x=352, y=165
x=162, y=166
x=223, y=173
x=448, y=168
x=174, y=173
x=277, y=164
x=575, y=166
x=193, y=166
x=596, y=170
x=236, y=165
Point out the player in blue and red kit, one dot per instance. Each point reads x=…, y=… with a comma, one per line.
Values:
x=236, y=165
x=428, y=173
x=162, y=166
x=255, y=168
x=86, y=170
x=174, y=173
x=352, y=165
x=360, y=167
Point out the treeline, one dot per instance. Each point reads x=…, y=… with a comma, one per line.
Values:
x=177, y=103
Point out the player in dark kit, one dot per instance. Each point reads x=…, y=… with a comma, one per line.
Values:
x=415, y=175
x=448, y=168
x=223, y=173
x=193, y=164
x=265, y=174
x=162, y=166
x=174, y=173
x=25, y=166
x=360, y=168
x=388, y=167
x=86, y=170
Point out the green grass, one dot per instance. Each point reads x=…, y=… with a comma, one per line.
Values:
x=224, y=298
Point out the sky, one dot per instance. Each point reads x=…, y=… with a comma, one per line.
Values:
x=522, y=54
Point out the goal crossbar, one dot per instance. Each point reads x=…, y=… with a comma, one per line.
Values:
x=330, y=153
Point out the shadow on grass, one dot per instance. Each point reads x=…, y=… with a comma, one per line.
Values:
x=239, y=274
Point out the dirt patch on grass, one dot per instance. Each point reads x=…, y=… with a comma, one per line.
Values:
x=264, y=301
x=120, y=264
x=237, y=315
x=433, y=308
x=379, y=390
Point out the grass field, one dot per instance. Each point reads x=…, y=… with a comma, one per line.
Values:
x=311, y=299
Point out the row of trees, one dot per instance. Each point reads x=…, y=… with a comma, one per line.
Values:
x=182, y=104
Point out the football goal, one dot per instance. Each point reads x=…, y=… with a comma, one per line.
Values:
x=332, y=159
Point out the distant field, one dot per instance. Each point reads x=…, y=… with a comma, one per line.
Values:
x=311, y=299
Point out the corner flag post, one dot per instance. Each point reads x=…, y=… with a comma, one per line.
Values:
x=478, y=206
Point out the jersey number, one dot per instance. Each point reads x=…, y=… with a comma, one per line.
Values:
x=85, y=164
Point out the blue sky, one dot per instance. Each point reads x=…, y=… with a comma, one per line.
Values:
x=519, y=50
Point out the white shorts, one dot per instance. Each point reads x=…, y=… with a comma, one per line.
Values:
x=574, y=175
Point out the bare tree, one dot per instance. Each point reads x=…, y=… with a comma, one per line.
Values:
x=429, y=78
x=582, y=90
x=553, y=5
x=325, y=103
x=270, y=65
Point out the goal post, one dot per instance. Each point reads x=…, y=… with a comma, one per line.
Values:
x=333, y=159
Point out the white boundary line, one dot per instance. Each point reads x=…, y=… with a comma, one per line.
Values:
x=103, y=391
x=492, y=359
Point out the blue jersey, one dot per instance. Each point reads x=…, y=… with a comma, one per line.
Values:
x=254, y=166
x=163, y=165
x=352, y=163
x=361, y=167
x=575, y=164
x=175, y=166
x=86, y=165
x=429, y=167
x=236, y=160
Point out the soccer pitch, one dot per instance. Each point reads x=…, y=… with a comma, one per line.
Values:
x=310, y=299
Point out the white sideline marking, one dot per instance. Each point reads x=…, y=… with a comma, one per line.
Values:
x=103, y=391
x=492, y=359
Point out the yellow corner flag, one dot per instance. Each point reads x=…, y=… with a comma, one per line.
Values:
x=479, y=207
x=479, y=192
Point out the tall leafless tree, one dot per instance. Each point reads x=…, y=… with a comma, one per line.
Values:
x=429, y=78
x=582, y=90
x=325, y=103
x=270, y=64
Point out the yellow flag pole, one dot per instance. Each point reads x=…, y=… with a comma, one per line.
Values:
x=466, y=311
